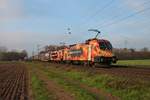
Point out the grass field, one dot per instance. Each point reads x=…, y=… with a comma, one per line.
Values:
x=72, y=81
x=134, y=62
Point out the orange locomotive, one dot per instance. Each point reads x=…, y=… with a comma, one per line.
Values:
x=91, y=52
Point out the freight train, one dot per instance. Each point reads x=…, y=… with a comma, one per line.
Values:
x=93, y=51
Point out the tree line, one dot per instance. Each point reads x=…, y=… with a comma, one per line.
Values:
x=132, y=54
x=12, y=55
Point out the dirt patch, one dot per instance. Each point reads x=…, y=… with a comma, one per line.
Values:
x=13, y=82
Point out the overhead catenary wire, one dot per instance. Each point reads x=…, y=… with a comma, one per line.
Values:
x=124, y=18
x=96, y=13
x=115, y=17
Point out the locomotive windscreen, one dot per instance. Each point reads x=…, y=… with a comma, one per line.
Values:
x=105, y=45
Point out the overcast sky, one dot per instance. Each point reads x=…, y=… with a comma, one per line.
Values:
x=26, y=23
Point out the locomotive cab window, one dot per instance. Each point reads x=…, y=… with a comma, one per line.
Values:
x=102, y=45
x=105, y=45
x=109, y=45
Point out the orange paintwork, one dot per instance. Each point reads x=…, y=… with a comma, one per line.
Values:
x=82, y=52
x=95, y=51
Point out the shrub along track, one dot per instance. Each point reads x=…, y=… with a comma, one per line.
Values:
x=13, y=82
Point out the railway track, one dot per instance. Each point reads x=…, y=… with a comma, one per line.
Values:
x=13, y=82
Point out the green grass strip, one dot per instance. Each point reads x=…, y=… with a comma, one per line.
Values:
x=39, y=90
x=134, y=62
